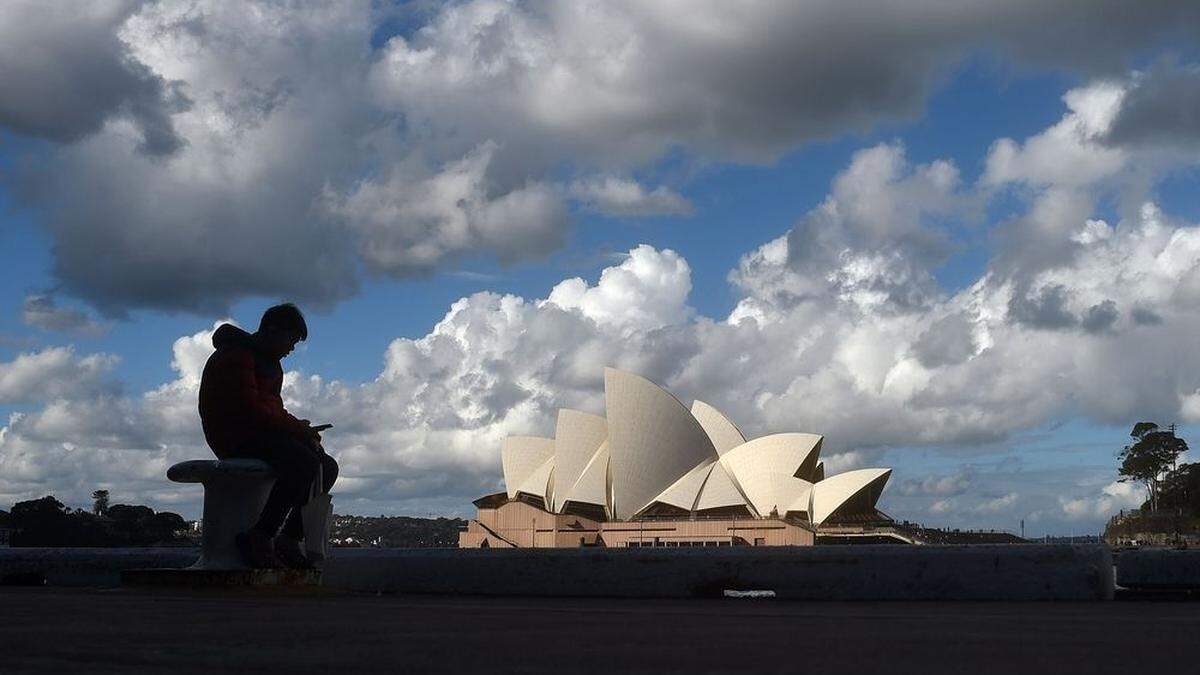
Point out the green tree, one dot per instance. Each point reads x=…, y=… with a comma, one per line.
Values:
x=1180, y=489
x=1150, y=457
x=100, y=502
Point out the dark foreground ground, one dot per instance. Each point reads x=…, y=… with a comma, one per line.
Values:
x=142, y=631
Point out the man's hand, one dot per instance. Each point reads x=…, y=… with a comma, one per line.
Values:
x=311, y=434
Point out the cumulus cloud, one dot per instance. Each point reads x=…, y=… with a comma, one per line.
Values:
x=65, y=73
x=42, y=311
x=53, y=373
x=412, y=221
x=840, y=328
x=213, y=150
x=872, y=243
x=626, y=197
x=1004, y=502
x=1113, y=497
x=949, y=485
x=1160, y=109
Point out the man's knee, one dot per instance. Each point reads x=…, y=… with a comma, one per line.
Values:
x=329, y=472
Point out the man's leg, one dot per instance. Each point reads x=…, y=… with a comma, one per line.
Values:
x=294, y=527
x=295, y=467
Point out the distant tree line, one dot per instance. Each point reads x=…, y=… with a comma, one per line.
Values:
x=47, y=522
x=396, y=531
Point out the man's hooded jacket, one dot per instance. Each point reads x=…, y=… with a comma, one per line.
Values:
x=240, y=400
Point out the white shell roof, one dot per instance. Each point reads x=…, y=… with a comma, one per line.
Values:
x=684, y=492
x=592, y=486
x=831, y=493
x=653, y=440
x=766, y=469
x=723, y=433
x=721, y=491
x=577, y=436
x=520, y=456
x=538, y=483
x=653, y=449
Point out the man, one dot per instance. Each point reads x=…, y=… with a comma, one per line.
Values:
x=242, y=413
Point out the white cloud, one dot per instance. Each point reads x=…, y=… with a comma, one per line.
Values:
x=840, y=329
x=204, y=142
x=626, y=197
x=997, y=504
x=1069, y=153
x=648, y=290
x=42, y=311
x=410, y=221
x=54, y=372
x=1114, y=497
x=949, y=485
x=942, y=506
x=66, y=73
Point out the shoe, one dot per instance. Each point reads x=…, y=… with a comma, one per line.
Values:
x=257, y=550
x=289, y=552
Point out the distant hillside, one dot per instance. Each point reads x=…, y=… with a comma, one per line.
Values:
x=395, y=531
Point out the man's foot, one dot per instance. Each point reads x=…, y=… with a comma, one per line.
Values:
x=256, y=550
x=291, y=554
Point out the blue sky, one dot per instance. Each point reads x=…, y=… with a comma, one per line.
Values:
x=412, y=129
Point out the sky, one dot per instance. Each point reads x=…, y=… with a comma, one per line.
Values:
x=959, y=241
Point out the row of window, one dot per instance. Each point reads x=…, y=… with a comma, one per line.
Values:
x=674, y=544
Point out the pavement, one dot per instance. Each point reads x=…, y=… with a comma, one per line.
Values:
x=127, y=630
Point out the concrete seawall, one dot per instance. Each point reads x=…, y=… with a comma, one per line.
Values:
x=1154, y=569
x=1033, y=572
x=85, y=566
x=1000, y=572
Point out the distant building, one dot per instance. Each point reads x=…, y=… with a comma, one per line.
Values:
x=654, y=473
x=5, y=537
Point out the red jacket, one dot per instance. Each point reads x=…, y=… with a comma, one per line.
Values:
x=239, y=394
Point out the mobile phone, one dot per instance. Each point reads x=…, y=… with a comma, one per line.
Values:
x=322, y=427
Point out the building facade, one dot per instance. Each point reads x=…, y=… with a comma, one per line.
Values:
x=653, y=472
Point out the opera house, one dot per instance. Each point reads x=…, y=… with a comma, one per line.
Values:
x=654, y=473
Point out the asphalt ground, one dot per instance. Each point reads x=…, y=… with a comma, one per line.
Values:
x=55, y=630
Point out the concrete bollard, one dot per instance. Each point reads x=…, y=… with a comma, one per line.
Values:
x=235, y=491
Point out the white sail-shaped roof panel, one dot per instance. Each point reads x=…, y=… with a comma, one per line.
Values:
x=520, y=456
x=803, y=502
x=723, y=433
x=684, y=492
x=592, y=486
x=577, y=436
x=832, y=493
x=720, y=491
x=652, y=437
x=766, y=468
x=790, y=492
x=539, y=483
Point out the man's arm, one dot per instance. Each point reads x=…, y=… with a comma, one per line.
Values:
x=239, y=384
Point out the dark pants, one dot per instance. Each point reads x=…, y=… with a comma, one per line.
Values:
x=296, y=465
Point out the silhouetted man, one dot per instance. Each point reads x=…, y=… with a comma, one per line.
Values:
x=242, y=413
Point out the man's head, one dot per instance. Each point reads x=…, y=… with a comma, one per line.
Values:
x=281, y=327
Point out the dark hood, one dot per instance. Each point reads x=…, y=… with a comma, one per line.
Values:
x=229, y=335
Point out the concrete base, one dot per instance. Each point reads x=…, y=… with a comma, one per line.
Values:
x=199, y=578
x=1001, y=572
x=1159, y=569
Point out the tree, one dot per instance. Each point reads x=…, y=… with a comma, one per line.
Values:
x=100, y=502
x=1150, y=457
x=1180, y=489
